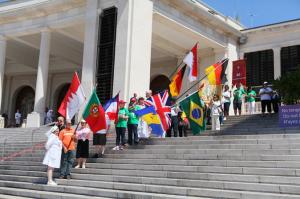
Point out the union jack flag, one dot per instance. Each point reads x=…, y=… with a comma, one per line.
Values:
x=161, y=103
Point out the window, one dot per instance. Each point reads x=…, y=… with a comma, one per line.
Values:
x=290, y=58
x=259, y=67
x=106, y=53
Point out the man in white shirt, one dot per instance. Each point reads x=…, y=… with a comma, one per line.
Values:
x=265, y=94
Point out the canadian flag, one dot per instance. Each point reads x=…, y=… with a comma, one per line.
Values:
x=73, y=100
x=111, y=107
x=191, y=60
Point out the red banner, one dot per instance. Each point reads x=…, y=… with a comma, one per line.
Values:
x=239, y=72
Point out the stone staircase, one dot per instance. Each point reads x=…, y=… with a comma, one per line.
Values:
x=250, y=158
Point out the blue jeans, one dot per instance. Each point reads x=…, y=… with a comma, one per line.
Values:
x=67, y=162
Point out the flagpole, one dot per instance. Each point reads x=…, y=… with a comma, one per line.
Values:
x=200, y=81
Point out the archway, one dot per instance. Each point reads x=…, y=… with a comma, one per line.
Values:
x=159, y=83
x=24, y=101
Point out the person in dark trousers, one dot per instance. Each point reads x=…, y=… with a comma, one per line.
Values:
x=121, y=126
x=276, y=101
x=182, y=124
x=133, y=122
x=265, y=97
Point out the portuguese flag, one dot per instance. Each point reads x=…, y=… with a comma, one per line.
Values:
x=193, y=107
x=94, y=114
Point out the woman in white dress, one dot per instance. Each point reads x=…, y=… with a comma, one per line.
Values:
x=53, y=153
x=216, y=110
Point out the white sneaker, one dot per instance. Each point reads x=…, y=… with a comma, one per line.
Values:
x=52, y=183
x=83, y=166
x=224, y=118
x=116, y=148
x=77, y=167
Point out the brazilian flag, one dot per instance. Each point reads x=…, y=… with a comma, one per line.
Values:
x=193, y=107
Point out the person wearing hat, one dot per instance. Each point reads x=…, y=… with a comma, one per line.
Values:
x=133, y=122
x=82, y=150
x=121, y=125
x=265, y=94
x=53, y=153
x=67, y=137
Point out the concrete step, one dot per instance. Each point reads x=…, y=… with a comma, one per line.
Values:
x=3, y=196
x=18, y=193
x=162, y=170
x=177, y=176
x=87, y=191
x=224, y=163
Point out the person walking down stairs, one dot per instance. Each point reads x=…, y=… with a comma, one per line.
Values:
x=53, y=153
x=67, y=137
x=82, y=150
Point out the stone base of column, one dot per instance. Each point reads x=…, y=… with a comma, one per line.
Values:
x=34, y=119
x=2, y=122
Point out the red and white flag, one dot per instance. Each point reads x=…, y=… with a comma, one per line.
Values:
x=111, y=107
x=73, y=100
x=191, y=60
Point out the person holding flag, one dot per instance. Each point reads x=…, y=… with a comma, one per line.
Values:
x=133, y=122
x=94, y=115
x=121, y=125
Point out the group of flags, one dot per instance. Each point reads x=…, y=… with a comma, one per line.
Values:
x=94, y=113
x=157, y=108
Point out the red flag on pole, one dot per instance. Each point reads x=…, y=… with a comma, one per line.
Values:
x=239, y=72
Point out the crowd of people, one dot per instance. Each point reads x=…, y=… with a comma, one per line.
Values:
x=219, y=106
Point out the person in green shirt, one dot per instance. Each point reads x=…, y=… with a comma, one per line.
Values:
x=251, y=94
x=133, y=122
x=121, y=125
x=238, y=94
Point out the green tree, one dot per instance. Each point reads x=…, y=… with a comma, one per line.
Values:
x=288, y=86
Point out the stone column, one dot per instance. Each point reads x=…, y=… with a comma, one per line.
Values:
x=133, y=48
x=36, y=118
x=90, y=47
x=2, y=69
x=277, y=62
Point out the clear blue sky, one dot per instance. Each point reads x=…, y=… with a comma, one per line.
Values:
x=263, y=11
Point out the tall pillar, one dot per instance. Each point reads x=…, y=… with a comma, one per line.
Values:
x=36, y=118
x=133, y=48
x=90, y=47
x=277, y=62
x=2, y=68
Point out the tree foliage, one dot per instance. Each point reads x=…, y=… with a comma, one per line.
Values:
x=288, y=86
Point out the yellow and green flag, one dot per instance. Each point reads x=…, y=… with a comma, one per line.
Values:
x=193, y=107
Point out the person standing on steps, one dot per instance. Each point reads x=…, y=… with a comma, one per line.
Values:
x=226, y=101
x=67, y=137
x=174, y=120
x=216, y=110
x=18, y=117
x=182, y=124
x=238, y=94
x=99, y=139
x=265, y=94
x=53, y=153
x=121, y=126
x=251, y=94
x=82, y=150
x=276, y=101
x=133, y=122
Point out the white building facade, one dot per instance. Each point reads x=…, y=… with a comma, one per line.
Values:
x=126, y=46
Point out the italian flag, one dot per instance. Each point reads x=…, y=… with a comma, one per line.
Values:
x=191, y=60
x=73, y=100
x=94, y=114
